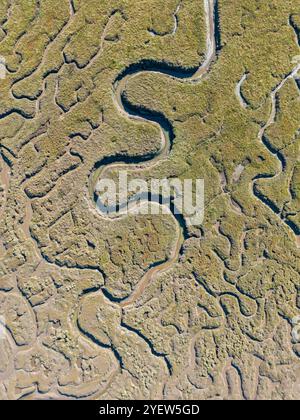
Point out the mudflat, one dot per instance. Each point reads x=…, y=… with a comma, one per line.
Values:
x=98, y=303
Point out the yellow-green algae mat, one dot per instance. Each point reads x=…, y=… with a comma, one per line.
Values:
x=218, y=317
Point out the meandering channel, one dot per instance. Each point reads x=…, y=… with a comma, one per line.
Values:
x=119, y=163
x=281, y=159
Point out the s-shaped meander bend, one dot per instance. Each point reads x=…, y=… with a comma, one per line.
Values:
x=119, y=163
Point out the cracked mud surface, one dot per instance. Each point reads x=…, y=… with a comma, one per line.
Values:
x=147, y=307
